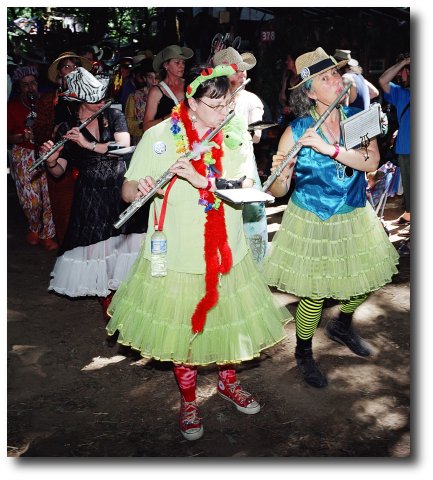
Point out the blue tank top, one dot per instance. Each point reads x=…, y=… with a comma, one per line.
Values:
x=320, y=185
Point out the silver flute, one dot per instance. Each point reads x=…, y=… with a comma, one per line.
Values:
x=166, y=177
x=61, y=142
x=298, y=145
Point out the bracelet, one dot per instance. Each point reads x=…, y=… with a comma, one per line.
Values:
x=94, y=146
x=337, y=150
x=52, y=166
x=209, y=185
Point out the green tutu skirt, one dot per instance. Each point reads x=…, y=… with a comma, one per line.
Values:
x=153, y=315
x=349, y=254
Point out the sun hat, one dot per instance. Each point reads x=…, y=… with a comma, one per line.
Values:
x=170, y=52
x=345, y=55
x=311, y=64
x=82, y=86
x=230, y=56
x=53, y=68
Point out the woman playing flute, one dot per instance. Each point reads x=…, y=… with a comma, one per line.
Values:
x=211, y=307
x=330, y=243
x=94, y=257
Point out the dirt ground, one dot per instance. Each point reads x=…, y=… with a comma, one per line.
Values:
x=71, y=395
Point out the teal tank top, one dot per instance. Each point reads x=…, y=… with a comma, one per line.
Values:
x=321, y=186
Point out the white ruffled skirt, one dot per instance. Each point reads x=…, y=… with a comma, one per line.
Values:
x=96, y=269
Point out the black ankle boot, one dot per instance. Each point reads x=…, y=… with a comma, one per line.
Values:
x=309, y=370
x=341, y=331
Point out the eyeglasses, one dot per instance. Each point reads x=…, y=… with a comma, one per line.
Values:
x=219, y=108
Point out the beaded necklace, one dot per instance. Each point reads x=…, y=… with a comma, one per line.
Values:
x=217, y=253
x=342, y=171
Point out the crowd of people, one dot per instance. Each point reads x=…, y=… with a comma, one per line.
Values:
x=213, y=304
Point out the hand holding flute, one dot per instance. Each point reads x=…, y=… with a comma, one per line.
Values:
x=310, y=138
x=60, y=143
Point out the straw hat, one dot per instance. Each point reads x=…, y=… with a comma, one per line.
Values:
x=229, y=56
x=170, y=52
x=84, y=87
x=345, y=55
x=311, y=64
x=53, y=71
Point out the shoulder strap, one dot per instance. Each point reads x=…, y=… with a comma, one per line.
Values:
x=169, y=91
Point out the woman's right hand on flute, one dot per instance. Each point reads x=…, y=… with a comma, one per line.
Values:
x=145, y=185
x=277, y=160
x=52, y=159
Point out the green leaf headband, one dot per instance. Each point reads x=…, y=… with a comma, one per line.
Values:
x=207, y=74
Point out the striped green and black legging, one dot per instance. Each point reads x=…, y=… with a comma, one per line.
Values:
x=309, y=312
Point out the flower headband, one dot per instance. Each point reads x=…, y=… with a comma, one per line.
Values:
x=207, y=74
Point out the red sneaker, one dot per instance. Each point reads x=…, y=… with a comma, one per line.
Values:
x=190, y=422
x=32, y=238
x=49, y=244
x=235, y=394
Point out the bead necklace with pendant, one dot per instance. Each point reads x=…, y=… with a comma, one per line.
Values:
x=343, y=171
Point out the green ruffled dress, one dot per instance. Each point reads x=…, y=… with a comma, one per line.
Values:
x=346, y=255
x=153, y=315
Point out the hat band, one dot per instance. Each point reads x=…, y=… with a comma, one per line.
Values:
x=316, y=68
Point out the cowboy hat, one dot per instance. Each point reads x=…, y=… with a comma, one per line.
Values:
x=82, y=86
x=345, y=55
x=230, y=56
x=311, y=64
x=53, y=68
x=172, y=51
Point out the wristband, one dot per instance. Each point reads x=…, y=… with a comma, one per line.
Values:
x=337, y=150
x=52, y=166
x=94, y=146
x=209, y=185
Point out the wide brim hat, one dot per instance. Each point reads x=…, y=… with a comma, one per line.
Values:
x=170, y=52
x=230, y=56
x=311, y=64
x=53, y=71
x=82, y=87
x=345, y=55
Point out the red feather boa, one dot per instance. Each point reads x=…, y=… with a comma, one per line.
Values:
x=217, y=253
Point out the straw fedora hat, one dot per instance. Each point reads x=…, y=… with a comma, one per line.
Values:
x=229, y=56
x=52, y=70
x=345, y=55
x=172, y=51
x=311, y=64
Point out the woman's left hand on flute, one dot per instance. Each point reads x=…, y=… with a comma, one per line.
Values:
x=183, y=168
